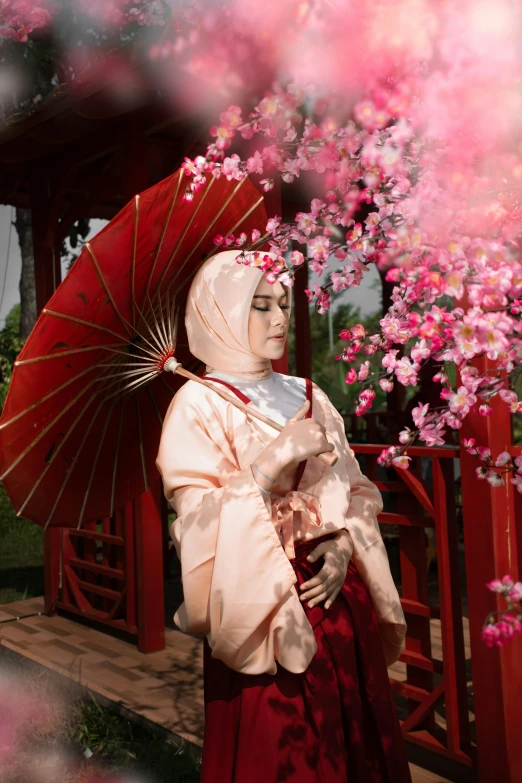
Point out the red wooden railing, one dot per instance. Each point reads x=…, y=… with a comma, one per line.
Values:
x=110, y=571
x=421, y=505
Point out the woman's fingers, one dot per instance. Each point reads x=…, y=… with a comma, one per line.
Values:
x=314, y=590
x=326, y=594
x=333, y=595
x=319, y=598
x=318, y=579
x=315, y=580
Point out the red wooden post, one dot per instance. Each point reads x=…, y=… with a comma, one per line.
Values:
x=52, y=556
x=134, y=162
x=492, y=548
x=47, y=266
x=127, y=513
x=148, y=537
x=47, y=272
x=303, y=351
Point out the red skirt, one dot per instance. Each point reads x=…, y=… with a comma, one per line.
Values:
x=335, y=723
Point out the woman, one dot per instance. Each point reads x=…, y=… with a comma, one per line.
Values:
x=284, y=568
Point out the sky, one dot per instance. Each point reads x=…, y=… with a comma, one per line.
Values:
x=363, y=297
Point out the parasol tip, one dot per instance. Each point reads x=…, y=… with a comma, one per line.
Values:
x=171, y=365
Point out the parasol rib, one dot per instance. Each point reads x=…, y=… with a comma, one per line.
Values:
x=184, y=234
x=142, y=336
x=132, y=364
x=93, y=469
x=55, y=454
x=124, y=338
x=160, y=245
x=127, y=374
x=206, y=232
x=155, y=404
x=245, y=216
x=73, y=463
x=116, y=455
x=172, y=316
x=62, y=353
x=218, y=249
x=161, y=326
x=107, y=289
x=158, y=330
x=151, y=331
x=45, y=431
x=48, y=396
x=134, y=384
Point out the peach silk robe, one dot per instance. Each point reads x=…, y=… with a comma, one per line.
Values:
x=238, y=583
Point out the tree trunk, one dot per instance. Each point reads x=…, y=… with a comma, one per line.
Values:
x=23, y=225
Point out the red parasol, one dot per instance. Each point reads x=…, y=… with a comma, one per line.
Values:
x=81, y=425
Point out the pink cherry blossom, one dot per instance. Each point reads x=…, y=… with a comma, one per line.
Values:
x=406, y=372
x=419, y=414
x=401, y=462
x=495, y=479
x=461, y=401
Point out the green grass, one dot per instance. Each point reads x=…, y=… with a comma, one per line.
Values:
x=121, y=746
x=66, y=725
x=21, y=554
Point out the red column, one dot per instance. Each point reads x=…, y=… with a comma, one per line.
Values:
x=47, y=266
x=148, y=547
x=492, y=545
x=52, y=553
x=47, y=273
x=303, y=339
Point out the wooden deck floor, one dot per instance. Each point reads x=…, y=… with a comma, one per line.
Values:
x=164, y=687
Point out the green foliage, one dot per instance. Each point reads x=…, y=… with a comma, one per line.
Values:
x=21, y=541
x=21, y=554
x=328, y=373
x=10, y=346
x=121, y=746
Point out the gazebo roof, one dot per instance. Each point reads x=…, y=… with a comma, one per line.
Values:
x=86, y=138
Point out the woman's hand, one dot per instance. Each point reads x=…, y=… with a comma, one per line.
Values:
x=327, y=584
x=299, y=439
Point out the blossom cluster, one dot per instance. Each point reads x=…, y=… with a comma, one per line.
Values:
x=497, y=633
x=415, y=329
x=494, y=470
x=18, y=18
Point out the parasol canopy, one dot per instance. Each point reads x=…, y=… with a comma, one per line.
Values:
x=81, y=425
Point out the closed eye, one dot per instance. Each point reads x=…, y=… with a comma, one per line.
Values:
x=265, y=309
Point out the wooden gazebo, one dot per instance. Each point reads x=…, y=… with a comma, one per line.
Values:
x=83, y=155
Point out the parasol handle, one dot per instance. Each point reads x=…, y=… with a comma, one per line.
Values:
x=328, y=457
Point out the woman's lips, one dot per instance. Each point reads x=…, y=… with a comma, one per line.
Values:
x=279, y=338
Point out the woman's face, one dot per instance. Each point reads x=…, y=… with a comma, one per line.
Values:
x=268, y=320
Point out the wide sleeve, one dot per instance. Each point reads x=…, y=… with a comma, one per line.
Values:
x=238, y=584
x=369, y=555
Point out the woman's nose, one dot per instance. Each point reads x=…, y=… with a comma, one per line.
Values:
x=278, y=317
